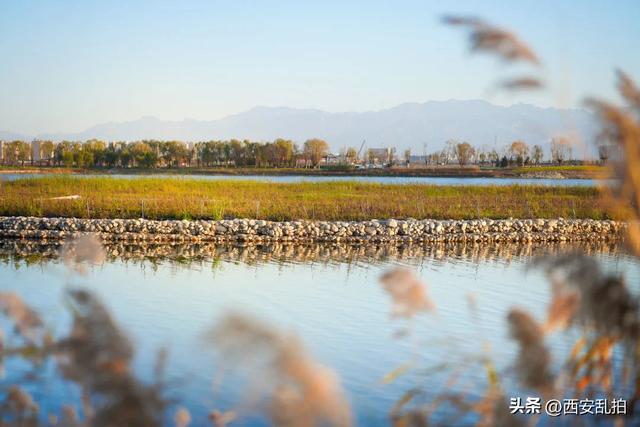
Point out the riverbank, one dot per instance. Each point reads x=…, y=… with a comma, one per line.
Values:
x=163, y=198
x=554, y=172
x=260, y=231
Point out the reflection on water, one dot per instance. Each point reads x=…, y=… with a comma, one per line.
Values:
x=169, y=296
x=371, y=179
x=31, y=252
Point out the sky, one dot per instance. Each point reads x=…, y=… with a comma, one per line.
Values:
x=68, y=65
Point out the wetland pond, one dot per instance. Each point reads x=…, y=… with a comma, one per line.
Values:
x=365, y=179
x=327, y=295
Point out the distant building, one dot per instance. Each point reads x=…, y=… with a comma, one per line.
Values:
x=382, y=156
x=417, y=159
x=36, y=155
x=1, y=151
x=37, y=152
x=332, y=159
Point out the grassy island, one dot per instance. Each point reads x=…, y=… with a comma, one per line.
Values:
x=175, y=198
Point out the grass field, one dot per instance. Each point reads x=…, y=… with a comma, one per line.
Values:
x=184, y=199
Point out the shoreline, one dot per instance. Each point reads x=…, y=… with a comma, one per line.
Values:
x=305, y=231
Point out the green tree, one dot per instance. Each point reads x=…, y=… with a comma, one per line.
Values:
x=22, y=150
x=11, y=152
x=282, y=152
x=67, y=159
x=111, y=156
x=143, y=155
x=83, y=155
x=174, y=153
x=63, y=153
x=125, y=156
x=236, y=151
x=98, y=149
x=46, y=151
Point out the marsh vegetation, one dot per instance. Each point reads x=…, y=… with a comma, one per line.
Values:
x=158, y=198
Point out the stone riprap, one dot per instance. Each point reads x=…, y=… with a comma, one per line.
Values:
x=410, y=230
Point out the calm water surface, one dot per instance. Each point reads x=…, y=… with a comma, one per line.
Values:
x=374, y=179
x=330, y=296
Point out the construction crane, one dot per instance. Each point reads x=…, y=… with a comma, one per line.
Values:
x=364, y=141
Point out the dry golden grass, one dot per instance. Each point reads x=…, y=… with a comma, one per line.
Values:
x=159, y=198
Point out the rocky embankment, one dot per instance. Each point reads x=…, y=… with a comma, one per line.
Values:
x=375, y=231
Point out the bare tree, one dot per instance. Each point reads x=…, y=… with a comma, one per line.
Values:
x=449, y=151
x=407, y=156
x=560, y=150
x=519, y=151
x=538, y=154
x=604, y=152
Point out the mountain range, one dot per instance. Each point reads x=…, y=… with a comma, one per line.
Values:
x=409, y=125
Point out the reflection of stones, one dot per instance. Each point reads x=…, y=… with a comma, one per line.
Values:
x=259, y=231
x=36, y=251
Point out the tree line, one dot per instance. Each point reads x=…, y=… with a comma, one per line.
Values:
x=517, y=153
x=153, y=153
x=273, y=154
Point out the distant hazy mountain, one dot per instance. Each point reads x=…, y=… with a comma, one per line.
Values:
x=408, y=125
x=11, y=136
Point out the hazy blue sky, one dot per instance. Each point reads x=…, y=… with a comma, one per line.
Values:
x=66, y=65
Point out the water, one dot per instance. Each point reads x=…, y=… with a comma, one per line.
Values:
x=373, y=179
x=170, y=296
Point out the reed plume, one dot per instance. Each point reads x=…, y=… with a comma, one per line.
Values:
x=27, y=322
x=182, y=417
x=489, y=38
x=408, y=293
x=629, y=91
x=595, y=299
x=222, y=419
x=300, y=391
x=534, y=359
x=97, y=356
x=621, y=126
x=21, y=403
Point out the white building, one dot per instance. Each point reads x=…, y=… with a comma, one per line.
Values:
x=37, y=154
x=1, y=151
x=35, y=151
